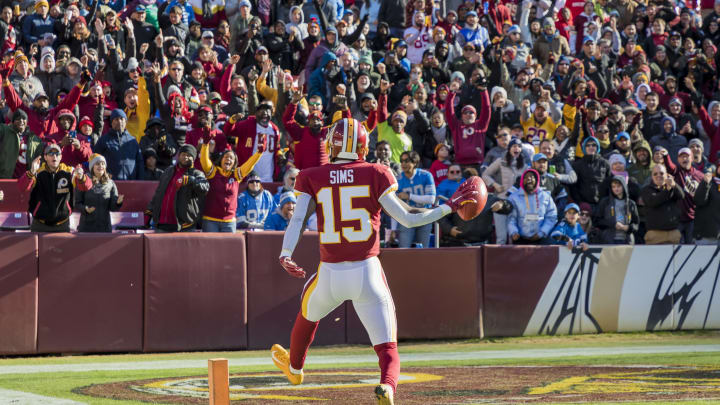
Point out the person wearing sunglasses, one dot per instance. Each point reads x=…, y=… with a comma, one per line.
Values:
x=52, y=188
x=662, y=199
x=288, y=184
x=254, y=204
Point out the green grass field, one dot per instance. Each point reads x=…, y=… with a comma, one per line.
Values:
x=61, y=384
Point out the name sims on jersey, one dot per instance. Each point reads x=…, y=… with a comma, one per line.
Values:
x=341, y=176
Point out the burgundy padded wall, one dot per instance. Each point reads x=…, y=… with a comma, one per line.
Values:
x=274, y=296
x=514, y=280
x=437, y=293
x=90, y=293
x=18, y=293
x=195, y=292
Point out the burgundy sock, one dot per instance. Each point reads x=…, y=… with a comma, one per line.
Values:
x=389, y=361
x=302, y=336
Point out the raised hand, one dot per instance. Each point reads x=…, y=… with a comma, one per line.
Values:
x=35, y=166
x=234, y=59
x=121, y=198
x=384, y=86
x=78, y=172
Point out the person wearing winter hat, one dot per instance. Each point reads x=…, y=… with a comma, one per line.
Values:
x=122, y=151
x=699, y=160
x=278, y=220
x=18, y=146
x=688, y=178
x=440, y=166
x=95, y=204
x=569, y=232
x=75, y=146
x=175, y=206
x=617, y=214
x=592, y=171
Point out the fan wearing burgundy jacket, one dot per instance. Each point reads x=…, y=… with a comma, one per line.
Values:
x=468, y=132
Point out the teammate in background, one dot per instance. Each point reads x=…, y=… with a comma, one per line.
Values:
x=348, y=195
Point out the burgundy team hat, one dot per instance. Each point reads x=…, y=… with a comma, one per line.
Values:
x=468, y=108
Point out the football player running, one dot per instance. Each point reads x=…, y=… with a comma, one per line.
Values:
x=348, y=195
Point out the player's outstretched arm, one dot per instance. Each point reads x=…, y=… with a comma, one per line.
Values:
x=303, y=210
x=399, y=210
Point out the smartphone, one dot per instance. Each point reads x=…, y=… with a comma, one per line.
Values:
x=83, y=48
x=73, y=134
x=486, y=7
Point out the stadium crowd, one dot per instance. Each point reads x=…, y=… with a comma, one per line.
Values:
x=590, y=122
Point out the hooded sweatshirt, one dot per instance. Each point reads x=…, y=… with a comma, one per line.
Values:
x=533, y=213
x=642, y=172
x=671, y=141
x=612, y=210
x=71, y=155
x=688, y=180
x=592, y=171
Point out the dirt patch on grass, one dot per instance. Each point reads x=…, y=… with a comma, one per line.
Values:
x=439, y=385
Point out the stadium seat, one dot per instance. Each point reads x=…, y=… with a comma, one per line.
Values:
x=14, y=221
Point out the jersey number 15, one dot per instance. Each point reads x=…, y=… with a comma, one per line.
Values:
x=329, y=232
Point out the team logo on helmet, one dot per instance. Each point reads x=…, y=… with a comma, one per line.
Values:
x=347, y=139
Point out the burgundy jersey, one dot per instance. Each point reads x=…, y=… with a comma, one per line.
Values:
x=348, y=210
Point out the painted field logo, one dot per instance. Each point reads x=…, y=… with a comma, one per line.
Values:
x=275, y=386
x=668, y=381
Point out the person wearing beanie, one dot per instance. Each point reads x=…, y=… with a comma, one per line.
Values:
x=254, y=205
x=440, y=166
x=52, y=187
x=18, y=146
x=181, y=190
x=152, y=172
x=699, y=160
x=617, y=215
x=468, y=132
x=36, y=25
x=121, y=150
x=278, y=220
x=163, y=145
x=75, y=146
x=95, y=204
x=592, y=171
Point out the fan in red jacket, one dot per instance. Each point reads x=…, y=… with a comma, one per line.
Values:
x=41, y=120
x=468, y=133
x=75, y=146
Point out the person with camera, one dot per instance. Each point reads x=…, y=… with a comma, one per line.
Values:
x=662, y=208
x=206, y=131
x=157, y=139
x=52, y=188
x=75, y=146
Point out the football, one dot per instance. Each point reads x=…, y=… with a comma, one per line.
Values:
x=471, y=210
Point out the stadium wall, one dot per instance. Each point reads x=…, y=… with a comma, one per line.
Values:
x=84, y=293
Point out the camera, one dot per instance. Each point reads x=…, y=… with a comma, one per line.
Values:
x=481, y=81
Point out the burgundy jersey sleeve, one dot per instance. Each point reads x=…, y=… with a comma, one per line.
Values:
x=302, y=183
x=385, y=181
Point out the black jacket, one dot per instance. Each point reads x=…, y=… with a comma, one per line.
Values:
x=52, y=195
x=592, y=171
x=188, y=200
x=707, y=210
x=393, y=13
x=662, y=207
x=605, y=216
x=477, y=230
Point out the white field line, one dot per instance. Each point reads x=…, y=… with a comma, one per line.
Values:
x=10, y=397
x=371, y=359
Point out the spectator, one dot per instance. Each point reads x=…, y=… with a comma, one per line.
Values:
x=383, y=156
x=699, y=160
x=592, y=171
x=36, y=25
x=662, y=199
x=119, y=147
x=501, y=176
x=75, y=146
x=502, y=139
x=254, y=133
x=447, y=187
x=152, y=172
x=288, y=184
x=278, y=220
x=534, y=213
x=220, y=208
x=668, y=138
x=586, y=223
x=18, y=145
x=254, y=205
x=468, y=133
x=548, y=181
x=95, y=204
x=310, y=140
x=641, y=170
x=457, y=232
x=206, y=132
x=417, y=188
x=617, y=215
x=157, y=139
x=707, y=208
x=569, y=231
x=175, y=206
x=439, y=168
x=558, y=165
x=52, y=188
x=688, y=178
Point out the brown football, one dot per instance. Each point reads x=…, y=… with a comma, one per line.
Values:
x=470, y=210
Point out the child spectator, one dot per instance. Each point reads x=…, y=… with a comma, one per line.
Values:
x=569, y=232
x=439, y=168
x=617, y=215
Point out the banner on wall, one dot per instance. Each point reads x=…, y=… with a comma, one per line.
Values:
x=626, y=288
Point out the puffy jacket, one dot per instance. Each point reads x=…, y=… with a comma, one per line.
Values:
x=538, y=203
x=188, y=199
x=707, y=210
x=123, y=155
x=317, y=84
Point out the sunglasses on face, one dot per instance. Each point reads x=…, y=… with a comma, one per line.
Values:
x=584, y=214
x=454, y=171
x=253, y=181
x=176, y=69
x=314, y=103
x=603, y=131
x=404, y=160
x=53, y=153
